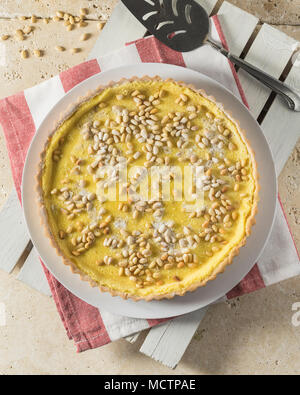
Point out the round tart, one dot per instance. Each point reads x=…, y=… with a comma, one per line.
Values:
x=104, y=177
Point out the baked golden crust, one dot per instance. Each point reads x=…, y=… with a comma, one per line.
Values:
x=157, y=296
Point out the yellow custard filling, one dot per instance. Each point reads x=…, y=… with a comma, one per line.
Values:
x=148, y=248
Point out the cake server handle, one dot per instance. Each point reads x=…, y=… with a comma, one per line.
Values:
x=291, y=96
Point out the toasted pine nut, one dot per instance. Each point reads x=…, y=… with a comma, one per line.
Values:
x=28, y=29
x=24, y=54
x=60, y=14
x=85, y=36
x=38, y=53
x=60, y=48
x=84, y=11
x=75, y=50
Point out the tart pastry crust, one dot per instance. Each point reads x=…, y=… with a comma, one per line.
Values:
x=163, y=290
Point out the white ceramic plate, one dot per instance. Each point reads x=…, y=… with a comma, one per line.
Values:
x=214, y=289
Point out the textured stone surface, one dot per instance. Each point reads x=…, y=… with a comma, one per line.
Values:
x=279, y=12
x=251, y=335
x=98, y=9
x=289, y=190
x=293, y=31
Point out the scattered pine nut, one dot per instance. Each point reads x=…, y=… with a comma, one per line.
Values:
x=83, y=24
x=22, y=18
x=20, y=37
x=28, y=29
x=70, y=27
x=60, y=14
x=85, y=36
x=60, y=48
x=84, y=11
x=33, y=19
x=100, y=25
x=5, y=37
x=24, y=54
x=56, y=19
x=38, y=53
x=75, y=50
x=46, y=20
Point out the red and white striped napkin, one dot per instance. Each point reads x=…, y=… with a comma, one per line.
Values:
x=21, y=115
